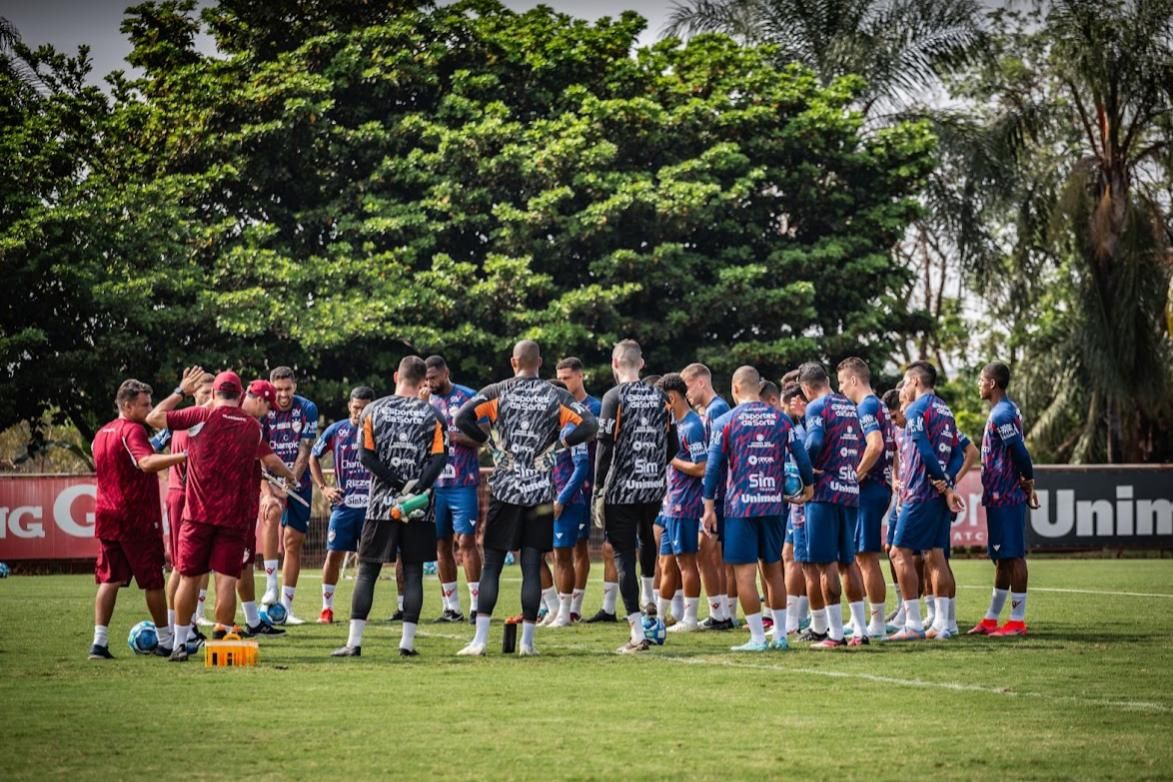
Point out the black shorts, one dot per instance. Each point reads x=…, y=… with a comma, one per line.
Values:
x=509, y=527
x=628, y=526
x=383, y=540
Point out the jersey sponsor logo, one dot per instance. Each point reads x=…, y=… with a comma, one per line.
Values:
x=756, y=460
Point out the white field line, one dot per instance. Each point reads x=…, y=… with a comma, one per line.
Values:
x=1078, y=591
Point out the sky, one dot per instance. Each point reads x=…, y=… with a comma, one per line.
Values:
x=69, y=23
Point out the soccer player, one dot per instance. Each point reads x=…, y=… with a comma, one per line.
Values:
x=832, y=441
x=714, y=573
x=293, y=427
x=682, y=507
x=753, y=441
x=1007, y=488
x=929, y=441
x=875, y=484
x=348, y=495
x=457, y=508
x=570, y=520
x=636, y=443
x=798, y=605
x=223, y=447
x=405, y=448
x=571, y=372
x=127, y=519
x=526, y=416
x=895, y=406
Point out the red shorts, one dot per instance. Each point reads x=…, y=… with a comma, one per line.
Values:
x=174, y=521
x=119, y=560
x=204, y=547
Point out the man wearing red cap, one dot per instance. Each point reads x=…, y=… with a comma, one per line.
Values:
x=223, y=446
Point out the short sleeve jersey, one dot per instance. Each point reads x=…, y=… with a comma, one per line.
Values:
x=838, y=419
x=127, y=505
x=873, y=417
x=1000, y=476
x=223, y=446
x=525, y=415
x=683, y=499
x=177, y=473
x=635, y=420
x=287, y=428
x=928, y=414
x=341, y=440
x=462, y=468
x=404, y=432
x=754, y=439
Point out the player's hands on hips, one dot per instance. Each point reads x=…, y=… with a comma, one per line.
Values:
x=332, y=494
x=191, y=380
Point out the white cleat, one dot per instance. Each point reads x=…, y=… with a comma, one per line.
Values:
x=290, y=619
x=526, y=651
x=204, y=621
x=472, y=650
x=549, y=619
x=684, y=627
x=560, y=621
x=270, y=597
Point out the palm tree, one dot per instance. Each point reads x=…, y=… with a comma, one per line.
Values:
x=13, y=62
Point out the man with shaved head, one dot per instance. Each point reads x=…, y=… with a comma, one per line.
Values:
x=529, y=420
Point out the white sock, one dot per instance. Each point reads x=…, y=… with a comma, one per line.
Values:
x=859, y=617
x=791, y=614
x=451, y=597
x=912, y=615
x=952, y=614
x=356, y=628
x=941, y=620
x=270, y=575
x=287, y=598
x=835, y=622
x=550, y=599
x=636, y=623
x=564, y=605
x=819, y=620
x=165, y=636
x=399, y=603
x=252, y=617
x=717, y=609
x=474, y=591
x=779, y=615
x=200, y=602
x=182, y=633
x=930, y=609
x=576, y=598
x=731, y=608
x=482, y=635
x=757, y=631
x=647, y=589
x=997, y=603
x=610, y=594
x=170, y=620
x=678, y=601
x=328, y=596
x=101, y=635
x=1018, y=606
x=663, y=606
x=804, y=607
x=407, y=640
x=690, y=606
x=527, y=634
x=876, y=622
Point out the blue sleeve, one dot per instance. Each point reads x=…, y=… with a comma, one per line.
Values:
x=802, y=461
x=957, y=458
x=916, y=423
x=323, y=443
x=868, y=418
x=1022, y=459
x=582, y=465
x=310, y=431
x=1007, y=427
x=715, y=464
x=161, y=440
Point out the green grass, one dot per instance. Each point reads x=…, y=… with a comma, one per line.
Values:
x=1088, y=695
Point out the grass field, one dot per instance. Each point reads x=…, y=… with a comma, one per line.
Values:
x=1089, y=695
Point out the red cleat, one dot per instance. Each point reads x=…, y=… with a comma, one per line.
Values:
x=326, y=617
x=1009, y=630
x=984, y=627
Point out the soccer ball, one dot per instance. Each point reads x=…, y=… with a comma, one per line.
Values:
x=654, y=630
x=429, y=568
x=4, y=570
x=274, y=614
x=143, y=638
x=793, y=486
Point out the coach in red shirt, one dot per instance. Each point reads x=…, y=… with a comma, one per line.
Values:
x=223, y=444
x=128, y=520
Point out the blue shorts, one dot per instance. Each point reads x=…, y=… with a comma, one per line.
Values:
x=797, y=527
x=572, y=526
x=830, y=533
x=919, y=525
x=456, y=510
x=895, y=514
x=1006, y=531
x=748, y=540
x=659, y=522
x=874, y=498
x=296, y=515
x=680, y=536
x=945, y=533
x=345, y=527
x=789, y=527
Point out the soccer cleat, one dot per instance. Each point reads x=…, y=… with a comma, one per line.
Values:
x=270, y=597
x=928, y=622
x=397, y=616
x=472, y=650
x=669, y=622
x=750, y=646
x=858, y=640
x=984, y=627
x=196, y=635
x=634, y=647
x=472, y=617
x=560, y=621
x=804, y=623
x=549, y=620
x=408, y=652
x=767, y=622
x=449, y=616
x=943, y=634
x=779, y=644
x=602, y=616
x=892, y=628
x=204, y=621
x=326, y=617
x=526, y=651
x=810, y=636
x=709, y=623
x=650, y=609
x=162, y=651
x=908, y=634
x=290, y=619
x=194, y=645
x=575, y=618
x=543, y=612
x=1010, y=629
x=261, y=628
x=684, y=627
x=178, y=654
x=347, y=651
x=100, y=653
x=829, y=643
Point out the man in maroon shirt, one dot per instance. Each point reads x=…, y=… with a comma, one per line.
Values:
x=224, y=442
x=128, y=518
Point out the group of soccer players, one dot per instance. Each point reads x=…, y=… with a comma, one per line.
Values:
x=781, y=498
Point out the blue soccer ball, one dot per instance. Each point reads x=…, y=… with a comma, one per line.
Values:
x=793, y=486
x=429, y=568
x=654, y=630
x=4, y=571
x=143, y=639
x=274, y=614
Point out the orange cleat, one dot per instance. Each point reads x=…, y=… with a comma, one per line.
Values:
x=984, y=627
x=326, y=617
x=1009, y=630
